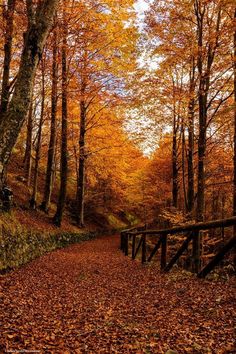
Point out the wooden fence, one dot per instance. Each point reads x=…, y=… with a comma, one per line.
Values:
x=190, y=232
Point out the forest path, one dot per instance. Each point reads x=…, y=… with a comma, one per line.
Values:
x=90, y=298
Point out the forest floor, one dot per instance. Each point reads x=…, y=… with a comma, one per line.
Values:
x=36, y=220
x=90, y=298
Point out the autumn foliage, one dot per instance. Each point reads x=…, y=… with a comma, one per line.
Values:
x=117, y=115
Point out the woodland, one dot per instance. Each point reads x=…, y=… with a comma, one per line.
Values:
x=106, y=107
x=116, y=115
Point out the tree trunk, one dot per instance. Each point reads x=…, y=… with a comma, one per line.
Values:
x=234, y=183
x=201, y=154
x=28, y=149
x=234, y=186
x=204, y=65
x=175, y=129
x=185, y=204
x=64, y=161
x=8, y=14
x=33, y=200
x=175, y=186
x=204, y=86
x=52, y=143
x=35, y=39
x=190, y=202
x=81, y=172
x=202, y=101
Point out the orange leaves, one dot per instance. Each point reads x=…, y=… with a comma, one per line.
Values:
x=120, y=306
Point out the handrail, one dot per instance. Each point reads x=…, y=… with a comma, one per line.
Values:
x=132, y=229
x=190, y=227
x=123, y=238
x=192, y=234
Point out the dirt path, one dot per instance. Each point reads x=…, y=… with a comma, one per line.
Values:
x=90, y=298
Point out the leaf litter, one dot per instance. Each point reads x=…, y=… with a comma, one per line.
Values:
x=90, y=298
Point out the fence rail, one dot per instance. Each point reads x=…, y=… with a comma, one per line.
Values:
x=191, y=233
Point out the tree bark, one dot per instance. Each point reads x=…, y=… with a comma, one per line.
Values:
x=202, y=101
x=234, y=177
x=33, y=200
x=190, y=197
x=175, y=131
x=204, y=86
x=204, y=69
x=174, y=152
x=28, y=149
x=64, y=160
x=82, y=157
x=175, y=186
x=234, y=184
x=185, y=204
x=14, y=117
x=9, y=16
x=53, y=131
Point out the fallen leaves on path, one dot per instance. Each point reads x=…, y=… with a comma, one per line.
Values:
x=90, y=298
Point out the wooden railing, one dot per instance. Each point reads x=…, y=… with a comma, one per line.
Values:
x=191, y=232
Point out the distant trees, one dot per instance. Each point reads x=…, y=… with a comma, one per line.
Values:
x=99, y=79
x=88, y=52
x=192, y=42
x=184, y=88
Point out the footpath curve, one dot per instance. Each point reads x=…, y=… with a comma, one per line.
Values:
x=90, y=298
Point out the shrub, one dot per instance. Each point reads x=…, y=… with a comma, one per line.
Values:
x=18, y=245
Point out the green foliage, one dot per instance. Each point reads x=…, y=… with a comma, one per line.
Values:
x=132, y=218
x=19, y=245
x=115, y=222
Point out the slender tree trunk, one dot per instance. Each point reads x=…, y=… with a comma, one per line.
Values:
x=190, y=203
x=185, y=206
x=33, y=200
x=202, y=102
x=28, y=149
x=190, y=154
x=18, y=107
x=64, y=162
x=201, y=154
x=175, y=186
x=234, y=186
x=175, y=129
x=8, y=14
x=81, y=172
x=204, y=69
x=52, y=143
x=204, y=86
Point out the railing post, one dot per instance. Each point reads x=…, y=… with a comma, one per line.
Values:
x=164, y=251
x=121, y=241
x=133, y=246
x=144, y=249
x=223, y=233
x=126, y=244
x=196, y=251
x=218, y=257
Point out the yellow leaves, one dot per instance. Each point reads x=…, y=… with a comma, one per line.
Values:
x=11, y=336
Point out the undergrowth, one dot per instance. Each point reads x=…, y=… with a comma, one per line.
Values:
x=19, y=245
